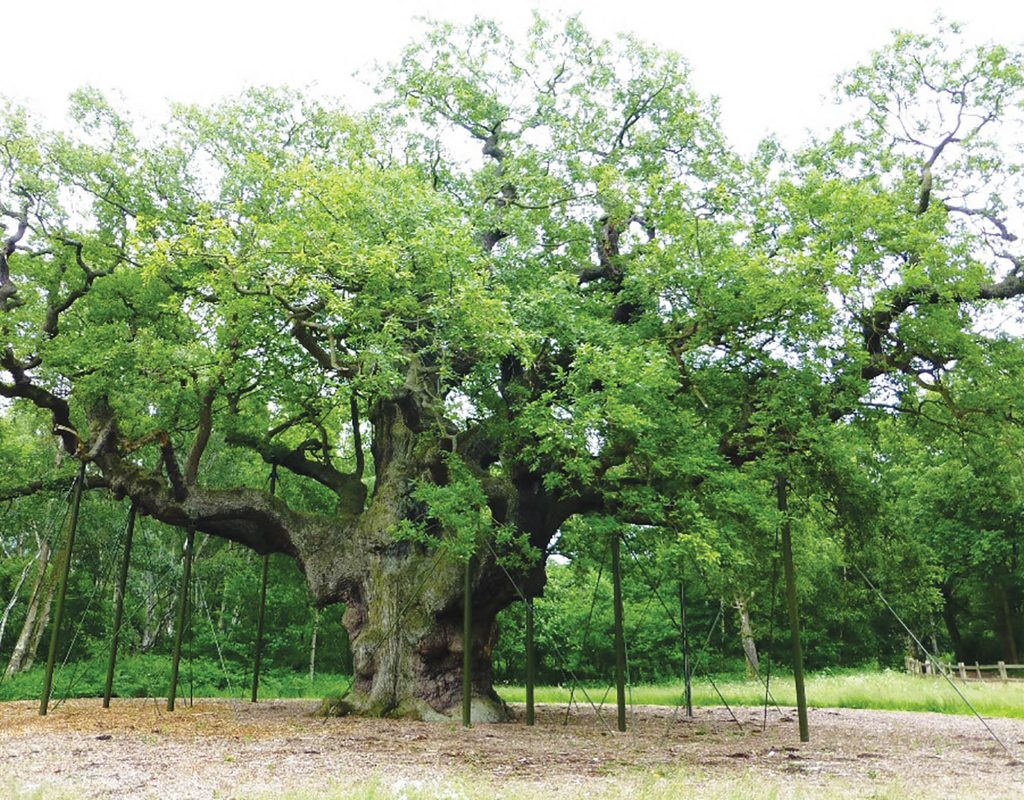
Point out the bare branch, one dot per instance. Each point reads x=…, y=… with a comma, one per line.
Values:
x=303, y=333
x=988, y=216
x=347, y=486
x=357, y=436
x=173, y=470
x=7, y=287
x=53, y=312
x=60, y=412
x=202, y=439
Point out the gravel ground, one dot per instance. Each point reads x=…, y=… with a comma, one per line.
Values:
x=231, y=749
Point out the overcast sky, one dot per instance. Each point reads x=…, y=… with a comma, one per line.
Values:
x=770, y=63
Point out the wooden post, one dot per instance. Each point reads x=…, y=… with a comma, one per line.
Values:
x=963, y=671
x=62, y=589
x=467, y=644
x=186, y=580
x=620, y=636
x=122, y=582
x=258, y=656
x=687, y=672
x=782, y=488
x=531, y=664
x=1002, y=671
x=977, y=669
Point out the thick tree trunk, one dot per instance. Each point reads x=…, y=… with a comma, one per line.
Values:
x=405, y=628
x=36, y=616
x=404, y=600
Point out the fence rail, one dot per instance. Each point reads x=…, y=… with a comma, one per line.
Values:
x=966, y=672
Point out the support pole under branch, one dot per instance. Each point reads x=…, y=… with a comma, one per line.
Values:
x=620, y=636
x=531, y=664
x=62, y=590
x=467, y=644
x=258, y=656
x=782, y=489
x=687, y=671
x=183, y=608
x=122, y=582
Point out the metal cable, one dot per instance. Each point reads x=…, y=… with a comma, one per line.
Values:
x=935, y=661
x=563, y=662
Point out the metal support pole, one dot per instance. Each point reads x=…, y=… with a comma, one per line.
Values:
x=782, y=489
x=467, y=644
x=620, y=636
x=186, y=580
x=62, y=589
x=531, y=664
x=687, y=671
x=258, y=656
x=259, y=630
x=122, y=582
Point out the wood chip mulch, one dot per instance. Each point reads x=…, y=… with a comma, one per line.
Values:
x=234, y=749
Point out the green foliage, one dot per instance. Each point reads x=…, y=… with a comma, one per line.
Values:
x=149, y=676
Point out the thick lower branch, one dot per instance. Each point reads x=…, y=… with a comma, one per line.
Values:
x=349, y=488
x=61, y=484
x=60, y=411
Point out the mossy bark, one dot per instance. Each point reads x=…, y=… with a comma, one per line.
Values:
x=405, y=628
x=404, y=601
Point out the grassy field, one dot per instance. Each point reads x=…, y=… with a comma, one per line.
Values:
x=147, y=676
x=888, y=691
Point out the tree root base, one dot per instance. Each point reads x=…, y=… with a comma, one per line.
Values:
x=482, y=709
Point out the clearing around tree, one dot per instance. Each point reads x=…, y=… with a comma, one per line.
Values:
x=275, y=749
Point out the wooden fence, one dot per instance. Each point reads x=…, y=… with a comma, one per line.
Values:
x=967, y=672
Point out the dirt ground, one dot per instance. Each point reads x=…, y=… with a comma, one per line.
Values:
x=232, y=749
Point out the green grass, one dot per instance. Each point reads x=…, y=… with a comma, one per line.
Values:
x=673, y=786
x=888, y=691
x=666, y=785
x=147, y=676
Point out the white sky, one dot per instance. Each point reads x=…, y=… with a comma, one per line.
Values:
x=771, y=63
